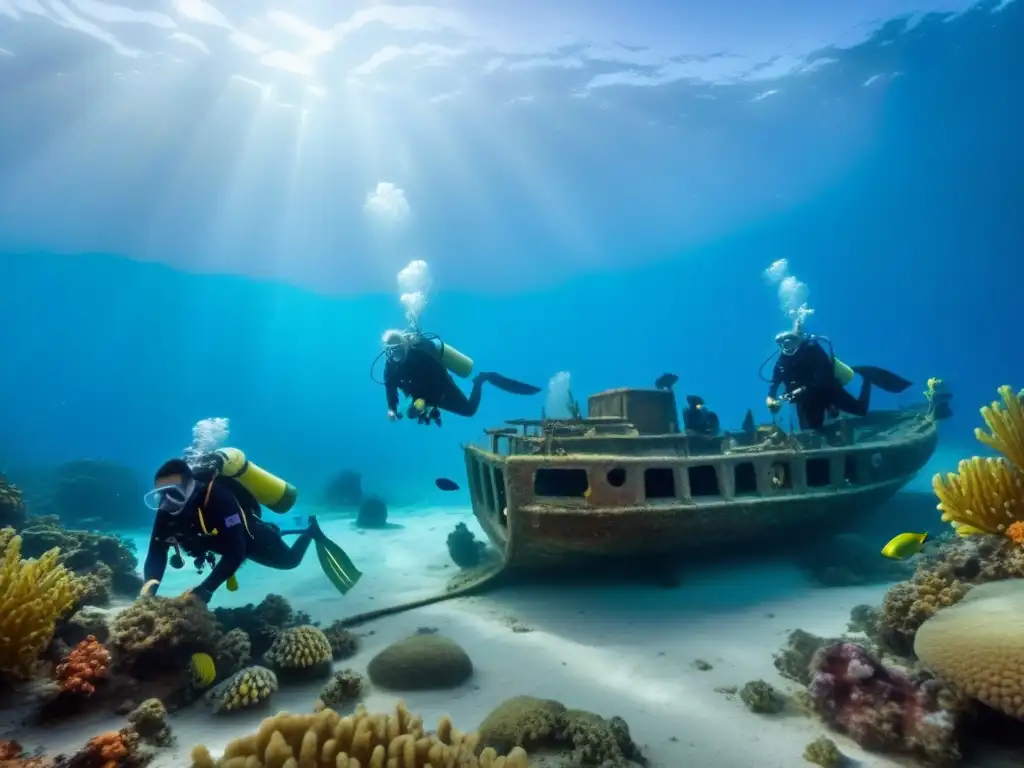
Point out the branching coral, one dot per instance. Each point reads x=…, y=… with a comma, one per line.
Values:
x=986, y=495
x=85, y=665
x=34, y=594
x=327, y=739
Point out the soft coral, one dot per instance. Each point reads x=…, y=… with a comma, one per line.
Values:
x=84, y=665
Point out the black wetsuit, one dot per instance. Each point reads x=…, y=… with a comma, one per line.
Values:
x=240, y=535
x=422, y=375
x=813, y=369
x=700, y=420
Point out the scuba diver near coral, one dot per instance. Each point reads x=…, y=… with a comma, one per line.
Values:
x=215, y=510
x=421, y=365
x=698, y=419
x=814, y=379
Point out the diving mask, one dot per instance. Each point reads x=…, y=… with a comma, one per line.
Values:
x=170, y=498
x=789, y=342
x=396, y=344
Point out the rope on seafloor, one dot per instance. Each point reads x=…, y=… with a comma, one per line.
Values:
x=487, y=580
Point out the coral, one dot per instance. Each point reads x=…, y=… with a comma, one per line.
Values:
x=13, y=756
x=82, y=551
x=327, y=740
x=825, y=753
x=794, y=661
x=96, y=585
x=343, y=687
x=420, y=662
x=34, y=594
x=907, y=606
x=978, y=645
x=12, y=507
x=157, y=636
x=344, y=643
x=261, y=623
x=149, y=720
x=114, y=749
x=300, y=651
x=373, y=513
x=344, y=490
x=232, y=653
x=547, y=727
x=247, y=688
x=86, y=664
x=986, y=495
x=85, y=622
x=463, y=547
x=762, y=698
x=882, y=709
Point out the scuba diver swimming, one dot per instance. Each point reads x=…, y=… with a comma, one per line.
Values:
x=814, y=380
x=215, y=510
x=421, y=365
x=698, y=419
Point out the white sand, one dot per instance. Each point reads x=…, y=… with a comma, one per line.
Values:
x=624, y=651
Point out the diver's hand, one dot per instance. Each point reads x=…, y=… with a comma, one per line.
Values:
x=773, y=404
x=393, y=416
x=149, y=588
x=201, y=594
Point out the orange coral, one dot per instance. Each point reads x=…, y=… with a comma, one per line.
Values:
x=1016, y=532
x=107, y=750
x=84, y=665
x=12, y=756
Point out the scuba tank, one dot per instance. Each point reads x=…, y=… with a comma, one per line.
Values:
x=269, y=490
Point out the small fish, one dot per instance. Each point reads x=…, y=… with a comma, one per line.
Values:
x=904, y=546
x=203, y=670
x=444, y=484
x=666, y=381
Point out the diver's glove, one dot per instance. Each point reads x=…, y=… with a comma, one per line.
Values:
x=393, y=416
x=202, y=594
x=149, y=588
x=773, y=405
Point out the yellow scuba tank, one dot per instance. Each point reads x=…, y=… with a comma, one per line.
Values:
x=842, y=372
x=455, y=361
x=270, y=491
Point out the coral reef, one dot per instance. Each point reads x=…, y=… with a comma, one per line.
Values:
x=343, y=687
x=149, y=720
x=327, y=740
x=232, y=653
x=373, y=513
x=156, y=636
x=825, y=753
x=12, y=755
x=420, y=662
x=300, y=652
x=546, y=728
x=82, y=623
x=986, y=495
x=12, y=507
x=978, y=645
x=760, y=697
x=261, y=623
x=463, y=547
x=114, y=749
x=344, y=490
x=344, y=643
x=247, y=688
x=83, y=551
x=794, y=661
x=84, y=666
x=882, y=709
x=34, y=594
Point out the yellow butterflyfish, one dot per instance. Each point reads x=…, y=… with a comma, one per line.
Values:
x=203, y=670
x=904, y=546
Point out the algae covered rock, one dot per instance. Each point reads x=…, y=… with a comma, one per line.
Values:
x=343, y=642
x=373, y=513
x=761, y=698
x=421, y=662
x=343, y=687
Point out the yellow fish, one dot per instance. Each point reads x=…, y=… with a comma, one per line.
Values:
x=203, y=670
x=232, y=583
x=904, y=546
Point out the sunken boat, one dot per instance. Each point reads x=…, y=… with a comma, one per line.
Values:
x=625, y=482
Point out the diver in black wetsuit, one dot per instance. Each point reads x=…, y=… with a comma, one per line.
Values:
x=698, y=419
x=808, y=374
x=205, y=515
x=415, y=366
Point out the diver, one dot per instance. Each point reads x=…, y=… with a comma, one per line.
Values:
x=208, y=513
x=814, y=380
x=698, y=419
x=421, y=366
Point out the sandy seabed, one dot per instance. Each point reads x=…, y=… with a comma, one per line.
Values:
x=615, y=650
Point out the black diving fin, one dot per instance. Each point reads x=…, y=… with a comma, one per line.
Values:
x=511, y=386
x=887, y=381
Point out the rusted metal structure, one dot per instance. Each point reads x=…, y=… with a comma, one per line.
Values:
x=625, y=482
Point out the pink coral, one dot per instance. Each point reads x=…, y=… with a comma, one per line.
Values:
x=882, y=709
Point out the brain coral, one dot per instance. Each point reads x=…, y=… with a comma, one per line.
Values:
x=978, y=645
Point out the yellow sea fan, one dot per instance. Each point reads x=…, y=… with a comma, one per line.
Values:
x=1006, y=424
x=33, y=595
x=984, y=496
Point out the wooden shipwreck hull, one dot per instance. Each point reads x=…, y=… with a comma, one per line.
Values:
x=626, y=483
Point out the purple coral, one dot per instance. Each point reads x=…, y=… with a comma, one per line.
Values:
x=882, y=709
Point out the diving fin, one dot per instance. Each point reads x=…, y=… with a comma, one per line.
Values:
x=337, y=566
x=511, y=386
x=887, y=381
